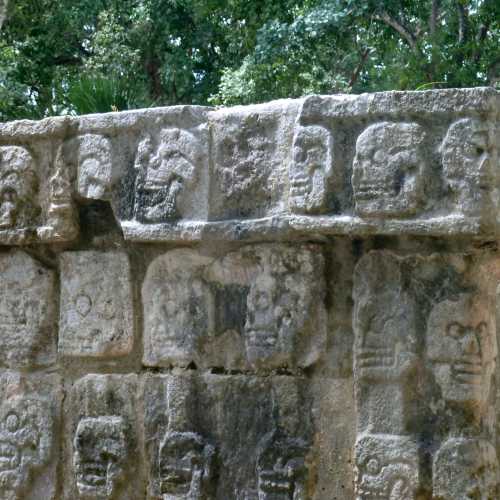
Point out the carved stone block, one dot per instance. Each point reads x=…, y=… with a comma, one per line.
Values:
x=27, y=312
x=260, y=307
x=29, y=415
x=102, y=438
x=466, y=468
x=311, y=169
x=96, y=313
x=251, y=154
x=387, y=466
x=389, y=170
x=203, y=442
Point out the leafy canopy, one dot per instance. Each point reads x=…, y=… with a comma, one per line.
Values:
x=62, y=56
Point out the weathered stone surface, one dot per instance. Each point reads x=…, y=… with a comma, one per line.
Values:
x=29, y=436
x=102, y=439
x=262, y=306
x=295, y=300
x=96, y=314
x=27, y=312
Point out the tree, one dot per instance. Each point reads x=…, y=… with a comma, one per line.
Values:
x=62, y=56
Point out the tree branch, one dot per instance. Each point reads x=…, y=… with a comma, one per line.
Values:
x=359, y=67
x=405, y=33
x=433, y=20
x=462, y=23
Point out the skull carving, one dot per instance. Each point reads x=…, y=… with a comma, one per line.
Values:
x=94, y=166
x=467, y=156
x=386, y=467
x=281, y=467
x=389, y=170
x=100, y=452
x=466, y=469
x=280, y=307
x=310, y=169
x=185, y=466
x=164, y=175
x=25, y=443
x=385, y=324
x=18, y=187
x=461, y=348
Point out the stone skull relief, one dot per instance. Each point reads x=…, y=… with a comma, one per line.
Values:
x=100, y=450
x=311, y=168
x=165, y=172
x=26, y=440
x=461, y=347
x=389, y=170
x=185, y=466
x=18, y=188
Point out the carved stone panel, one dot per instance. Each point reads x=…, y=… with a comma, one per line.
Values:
x=259, y=307
x=29, y=414
x=182, y=462
x=469, y=153
x=462, y=349
x=466, y=468
x=250, y=155
x=27, y=312
x=387, y=466
x=102, y=439
x=310, y=169
x=96, y=313
x=178, y=309
x=389, y=170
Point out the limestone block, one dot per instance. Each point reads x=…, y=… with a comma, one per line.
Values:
x=29, y=430
x=96, y=312
x=259, y=307
x=387, y=466
x=462, y=349
x=389, y=170
x=27, y=312
x=35, y=195
x=165, y=182
x=311, y=169
x=251, y=151
x=466, y=468
x=203, y=442
x=102, y=439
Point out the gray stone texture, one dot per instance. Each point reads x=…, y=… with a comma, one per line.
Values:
x=295, y=300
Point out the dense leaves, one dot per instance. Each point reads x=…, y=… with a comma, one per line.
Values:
x=62, y=56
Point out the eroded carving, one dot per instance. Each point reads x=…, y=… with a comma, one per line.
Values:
x=185, y=466
x=165, y=174
x=389, y=170
x=95, y=166
x=385, y=324
x=386, y=467
x=178, y=308
x=311, y=168
x=285, y=309
x=27, y=336
x=26, y=438
x=281, y=467
x=461, y=347
x=96, y=304
x=466, y=469
x=467, y=156
x=18, y=188
x=100, y=451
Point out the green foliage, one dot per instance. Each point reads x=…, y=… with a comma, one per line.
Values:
x=62, y=56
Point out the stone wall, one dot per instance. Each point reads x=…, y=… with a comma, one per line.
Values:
x=288, y=301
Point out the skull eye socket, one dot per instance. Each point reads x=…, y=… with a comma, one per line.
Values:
x=373, y=466
x=12, y=422
x=455, y=330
